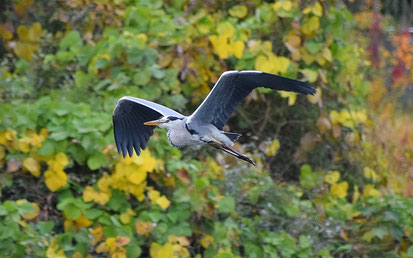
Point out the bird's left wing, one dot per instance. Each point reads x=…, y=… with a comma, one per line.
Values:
x=128, y=117
x=233, y=86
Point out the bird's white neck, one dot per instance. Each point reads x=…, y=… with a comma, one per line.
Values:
x=178, y=135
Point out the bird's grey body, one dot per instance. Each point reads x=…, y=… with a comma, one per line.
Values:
x=180, y=134
x=134, y=119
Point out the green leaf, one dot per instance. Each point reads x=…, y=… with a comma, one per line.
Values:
x=25, y=208
x=47, y=147
x=201, y=183
x=380, y=232
x=253, y=250
x=93, y=213
x=182, y=229
x=141, y=78
x=225, y=255
x=45, y=227
x=410, y=251
x=304, y=242
x=313, y=46
x=96, y=161
x=72, y=211
x=308, y=178
x=71, y=39
x=3, y=211
x=133, y=250
x=226, y=204
x=118, y=201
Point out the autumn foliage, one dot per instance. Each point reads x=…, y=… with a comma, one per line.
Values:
x=334, y=174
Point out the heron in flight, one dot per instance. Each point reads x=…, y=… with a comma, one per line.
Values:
x=134, y=119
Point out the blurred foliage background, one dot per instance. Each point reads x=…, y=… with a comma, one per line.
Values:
x=334, y=174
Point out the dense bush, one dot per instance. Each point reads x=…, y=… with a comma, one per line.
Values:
x=332, y=176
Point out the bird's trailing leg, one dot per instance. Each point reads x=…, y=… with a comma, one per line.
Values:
x=233, y=152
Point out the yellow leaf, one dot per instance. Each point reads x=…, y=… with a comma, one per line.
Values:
x=43, y=133
x=23, y=33
x=34, y=214
x=118, y=255
x=239, y=11
x=225, y=29
x=67, y=224
x=82, y=222
x=293, y=42
x=20, y=7
x=169, y=181
x=161, y=251
x=10, y=135
x=316, y=98
x=145, y=161
x=31, y=165
x=111, y=244
x=137, y=177
x=180, y=240
x=62, y=159
x=273, y=148
x=220, y=46
x=332, y=177
x=286, y=5
x=263, y=64
x=356, y=194
x=163, y=202
x=154, y=195
x=368, y=236
x=122, y=240
x=214, y=168
x=124, y=218
x=370, y=174
x=369, y=190
x=52, y=250
x=101, y=248
x=292, y=96
x=77, y=255
x=237, y=48
x=97, y=234
x=340, y=189
x=143, y=228
x=280, y=64
x=311, y=25
x=90, y=194
x=2, y=153
x=316, y=9
x=334, y=117
x=5, y=32
x=34, y=32
x=55, y=179
x=310, y=75
x=206, y=241
x=327, y=54
x=24, y=144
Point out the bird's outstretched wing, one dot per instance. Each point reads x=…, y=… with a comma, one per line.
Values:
x=128, y=117
x=233, y=86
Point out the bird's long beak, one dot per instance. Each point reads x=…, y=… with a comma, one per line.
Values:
x=154, y=122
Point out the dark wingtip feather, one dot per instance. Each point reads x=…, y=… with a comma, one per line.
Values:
x=308, y=88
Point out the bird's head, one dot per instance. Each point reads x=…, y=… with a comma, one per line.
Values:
x=164, y=122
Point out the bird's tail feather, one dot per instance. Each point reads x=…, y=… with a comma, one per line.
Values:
x=232, y=152
x=232, y=136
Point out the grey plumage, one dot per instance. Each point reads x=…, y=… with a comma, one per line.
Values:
x=134, y=118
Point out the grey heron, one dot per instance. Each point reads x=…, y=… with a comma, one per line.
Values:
x=134, y=119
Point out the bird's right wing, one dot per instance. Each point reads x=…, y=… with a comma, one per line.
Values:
x=233, y=86
x=128, y=117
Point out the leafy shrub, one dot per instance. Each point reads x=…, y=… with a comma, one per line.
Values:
x=326, y=184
